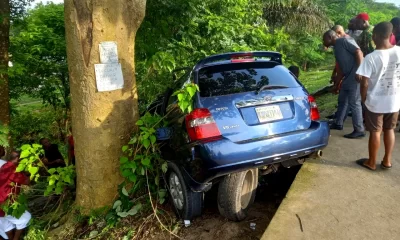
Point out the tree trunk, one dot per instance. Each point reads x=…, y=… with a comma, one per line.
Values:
x=4, y=44
x=101, y=121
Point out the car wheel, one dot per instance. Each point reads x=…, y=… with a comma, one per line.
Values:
x=187, y=204
x=236, y=193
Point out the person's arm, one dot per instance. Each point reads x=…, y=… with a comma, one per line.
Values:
x=20, y=178
x=333, y=74
x=364, y=72
x=359, y=57
x=364, y=88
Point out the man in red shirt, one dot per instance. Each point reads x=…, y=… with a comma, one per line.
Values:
x=10, y=182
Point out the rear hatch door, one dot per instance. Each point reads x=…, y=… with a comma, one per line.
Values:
x=244, y=113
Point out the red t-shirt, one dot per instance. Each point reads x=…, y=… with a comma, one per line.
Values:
x=9, y=175
x=71, y=146
x=392, y=39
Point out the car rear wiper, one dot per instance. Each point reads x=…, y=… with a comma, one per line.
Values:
x=265, y=87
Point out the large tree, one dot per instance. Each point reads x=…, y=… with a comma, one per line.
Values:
x=8, y=9
x=4, y=43
x=102, y=121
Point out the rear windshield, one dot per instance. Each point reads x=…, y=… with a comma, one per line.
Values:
x=242, y=77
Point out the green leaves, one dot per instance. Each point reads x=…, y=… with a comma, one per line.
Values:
x=4, y=131
x=146, y=143
x=123, y=160
x=125, y=192
x=59, y=179
x=185, y=97
x=164, y=167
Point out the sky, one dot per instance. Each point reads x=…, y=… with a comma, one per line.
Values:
x=54, y=1
x=397, y=2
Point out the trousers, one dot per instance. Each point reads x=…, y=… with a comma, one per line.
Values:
x=350, y=99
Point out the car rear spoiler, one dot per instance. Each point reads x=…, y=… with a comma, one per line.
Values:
x=273, y=56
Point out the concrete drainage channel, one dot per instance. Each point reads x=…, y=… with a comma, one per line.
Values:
x=270, y=193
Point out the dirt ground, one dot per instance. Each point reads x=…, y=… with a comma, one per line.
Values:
x=211, y=225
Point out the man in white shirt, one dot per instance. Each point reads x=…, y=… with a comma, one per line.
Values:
x=380, y=92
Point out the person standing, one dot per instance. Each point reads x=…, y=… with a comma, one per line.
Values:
x=365, y=41
x=349, y=56
x=339, y=30
x=396, y=30
x=10, y=181
x=380, y=91
x=352, y=31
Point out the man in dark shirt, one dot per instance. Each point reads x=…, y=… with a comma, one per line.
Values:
x=348, y=56
x=52, y=156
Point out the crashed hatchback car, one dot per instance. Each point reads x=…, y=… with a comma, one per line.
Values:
x=251, y=116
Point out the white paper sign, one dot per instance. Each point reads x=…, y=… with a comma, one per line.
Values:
x=109, y=77
x=108, y=52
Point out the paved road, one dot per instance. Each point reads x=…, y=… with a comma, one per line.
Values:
x=334, y=198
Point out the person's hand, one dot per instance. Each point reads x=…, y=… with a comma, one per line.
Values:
x=59, y=161
x=45, y=161
x=358, y=78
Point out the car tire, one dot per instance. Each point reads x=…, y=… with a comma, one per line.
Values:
x=236, y=193
x=186, y=203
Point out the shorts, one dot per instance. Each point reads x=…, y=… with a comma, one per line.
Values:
x=376, y=122
x=5, y=226
x=9, y=223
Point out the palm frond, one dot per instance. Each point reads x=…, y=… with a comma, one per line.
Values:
x=295, y=15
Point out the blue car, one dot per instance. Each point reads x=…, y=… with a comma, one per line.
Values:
x=251, y=116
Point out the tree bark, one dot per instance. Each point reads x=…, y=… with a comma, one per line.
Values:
x=101, y=121
x=4, y=44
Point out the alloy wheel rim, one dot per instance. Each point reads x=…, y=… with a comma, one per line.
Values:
x=175, y=188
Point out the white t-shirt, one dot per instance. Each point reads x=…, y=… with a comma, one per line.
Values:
x=382, y=67
x=2, y=162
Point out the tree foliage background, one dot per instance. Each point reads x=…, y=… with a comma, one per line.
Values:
x=175, y=33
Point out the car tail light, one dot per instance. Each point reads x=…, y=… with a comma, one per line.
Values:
x=242, y=60
x=200, y=125
x=314, y=109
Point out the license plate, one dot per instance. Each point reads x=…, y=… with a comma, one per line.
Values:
x=269, y=113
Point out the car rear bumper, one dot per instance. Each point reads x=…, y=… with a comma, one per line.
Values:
x=222, y=157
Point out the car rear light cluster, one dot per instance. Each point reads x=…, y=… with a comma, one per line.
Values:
x=201, y=125
x=313, y=109
x=241, y=58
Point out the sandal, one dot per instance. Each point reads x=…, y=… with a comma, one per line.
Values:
x=361, y=163
x=383, y=166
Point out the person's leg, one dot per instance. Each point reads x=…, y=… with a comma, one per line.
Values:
x=373, y=147
x=356, y=109
x=6, y=228
x=389, y=124
x=20, y=224
x=373, y=123
x=10, y=234
x=388, y=139
x=342, y=108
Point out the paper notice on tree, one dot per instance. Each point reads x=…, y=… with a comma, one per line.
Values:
x=109, y=77
x=108, y=52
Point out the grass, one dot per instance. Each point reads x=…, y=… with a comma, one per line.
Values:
x=315, y=80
